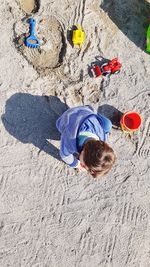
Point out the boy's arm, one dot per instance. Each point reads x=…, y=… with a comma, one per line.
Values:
x=68, y=158
x=105, y=123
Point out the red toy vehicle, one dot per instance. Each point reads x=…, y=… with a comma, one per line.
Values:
x=106, y=69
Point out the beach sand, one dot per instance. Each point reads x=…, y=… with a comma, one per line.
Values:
x=51, y=216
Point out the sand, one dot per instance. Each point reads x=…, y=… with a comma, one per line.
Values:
x=51, y=216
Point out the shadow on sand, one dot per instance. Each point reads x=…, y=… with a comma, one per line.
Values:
x=111, y=113
x=32, y=119
x=131, y=17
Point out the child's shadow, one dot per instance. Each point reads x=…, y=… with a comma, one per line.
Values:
x=32, y=119
x=111, y=113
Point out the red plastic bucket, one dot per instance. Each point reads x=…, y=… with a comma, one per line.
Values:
x=130, y=121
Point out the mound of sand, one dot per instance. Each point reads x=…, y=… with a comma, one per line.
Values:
x=50, y=33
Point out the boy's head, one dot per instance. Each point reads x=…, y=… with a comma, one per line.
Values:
x=97, y=157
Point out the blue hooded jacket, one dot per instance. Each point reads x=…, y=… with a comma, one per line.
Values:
x=72, y=123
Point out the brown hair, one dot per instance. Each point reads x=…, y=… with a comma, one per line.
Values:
x=98, y=157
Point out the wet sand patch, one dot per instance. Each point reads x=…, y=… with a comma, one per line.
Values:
x=29, y=6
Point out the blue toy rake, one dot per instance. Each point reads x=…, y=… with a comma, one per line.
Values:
x=31, y=41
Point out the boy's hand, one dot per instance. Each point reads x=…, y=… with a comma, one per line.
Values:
x=81, y=167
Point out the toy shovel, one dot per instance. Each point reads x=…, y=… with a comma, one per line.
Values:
x=32, y=41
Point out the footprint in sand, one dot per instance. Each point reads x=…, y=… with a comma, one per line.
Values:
x=29, y=6
x=52, y=48
x=143, y=146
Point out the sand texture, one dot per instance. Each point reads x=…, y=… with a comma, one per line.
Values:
x=51, y=216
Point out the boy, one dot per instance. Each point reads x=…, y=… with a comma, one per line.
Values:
x=83, y=135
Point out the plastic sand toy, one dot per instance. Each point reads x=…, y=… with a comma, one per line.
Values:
x=148, y=40
x=111, y=67
x=78, y=36
x=32, y=41
x=130, y=121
